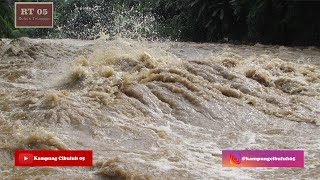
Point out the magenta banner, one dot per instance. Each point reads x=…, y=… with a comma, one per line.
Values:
x=263, y=158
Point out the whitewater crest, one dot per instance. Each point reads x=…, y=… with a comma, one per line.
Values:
x=156, y=110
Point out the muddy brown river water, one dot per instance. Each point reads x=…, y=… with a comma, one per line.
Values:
x=157, y=110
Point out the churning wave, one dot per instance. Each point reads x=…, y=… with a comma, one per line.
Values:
x=157, y=110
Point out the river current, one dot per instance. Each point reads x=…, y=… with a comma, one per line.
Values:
x=157, y=110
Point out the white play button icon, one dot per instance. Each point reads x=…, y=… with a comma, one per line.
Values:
x=24, y=159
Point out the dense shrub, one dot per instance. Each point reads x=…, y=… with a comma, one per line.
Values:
x=266, y=21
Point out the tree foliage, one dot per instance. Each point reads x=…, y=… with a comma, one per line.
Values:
x=266, y=21
x=291, y=22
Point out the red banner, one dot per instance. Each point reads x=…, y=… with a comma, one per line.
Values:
x=33, y=14
x=53, y=158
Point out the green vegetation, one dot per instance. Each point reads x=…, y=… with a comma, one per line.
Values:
x=289, y=22
x=267, y=21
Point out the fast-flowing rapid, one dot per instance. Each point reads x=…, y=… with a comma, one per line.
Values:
x=157, y=110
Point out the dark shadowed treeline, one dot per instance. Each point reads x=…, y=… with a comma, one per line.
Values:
x=267, y=21
x=288, y=22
